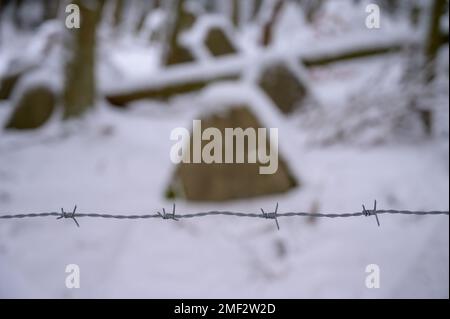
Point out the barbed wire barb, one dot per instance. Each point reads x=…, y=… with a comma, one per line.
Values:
x=164, y=215
x=272, y=215
x=69, y=215
x=373, y=212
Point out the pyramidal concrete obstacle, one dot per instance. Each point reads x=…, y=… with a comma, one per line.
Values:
x=226, y=155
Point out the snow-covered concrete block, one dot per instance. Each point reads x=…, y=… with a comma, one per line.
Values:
x=211, y=36
x=221, y=180
x=33, y=108
x=218, y=43
x=283, y=87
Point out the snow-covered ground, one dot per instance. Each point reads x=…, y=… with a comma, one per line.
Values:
x=117, y=161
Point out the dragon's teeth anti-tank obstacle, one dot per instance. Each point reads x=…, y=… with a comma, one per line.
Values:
x=206, y=176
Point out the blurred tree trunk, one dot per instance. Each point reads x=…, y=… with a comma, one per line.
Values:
x=51, y=8
x=415, y=12
x=256, y=9
x=267, y=34
x=235, y=12
x=174, y=53
x=433, y=37
x=15, y=4
x=80, y=87
x=146, y=7
x=310, y=8
x=118, y=14
x=432, y=45
x=426, y=68
x=2, y=8
x=210, y=6
x=172, y=30
x=17, y=19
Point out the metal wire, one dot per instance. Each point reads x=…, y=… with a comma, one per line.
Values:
x=173, y=216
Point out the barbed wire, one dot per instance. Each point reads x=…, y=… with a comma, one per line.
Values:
x=266, y=215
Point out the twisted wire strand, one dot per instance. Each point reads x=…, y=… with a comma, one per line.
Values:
x=223, y=213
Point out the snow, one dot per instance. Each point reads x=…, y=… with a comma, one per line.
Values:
x=118, y=161
x=124, y=169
